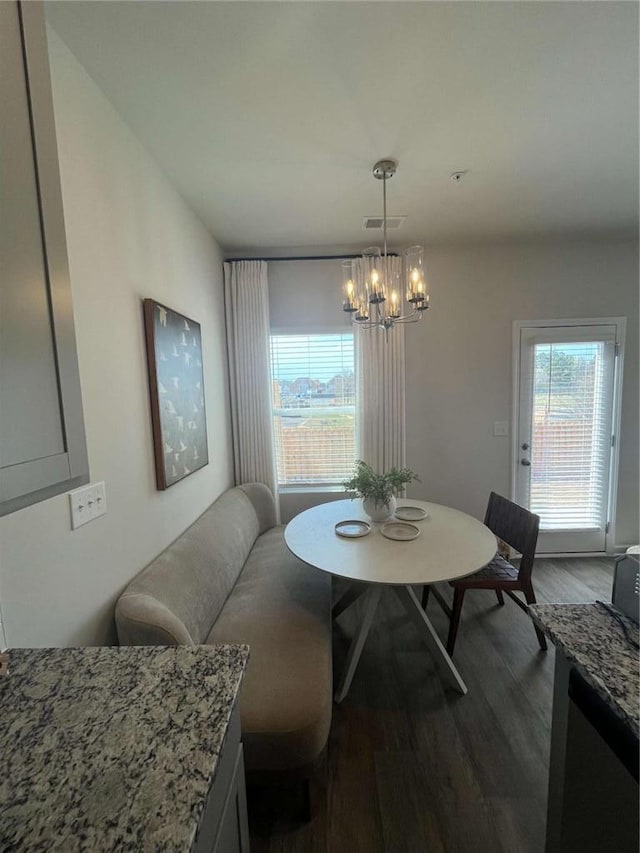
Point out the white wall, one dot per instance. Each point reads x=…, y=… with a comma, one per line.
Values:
x=459, y=358
x=459, y=369
x=129, y=236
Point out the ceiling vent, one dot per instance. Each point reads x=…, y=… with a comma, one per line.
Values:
x=375, y=223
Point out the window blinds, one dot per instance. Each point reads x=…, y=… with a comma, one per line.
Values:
x=571, y=434
x=313, y=394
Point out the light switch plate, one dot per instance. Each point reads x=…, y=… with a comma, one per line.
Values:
x=87, y=503
x=501, y=428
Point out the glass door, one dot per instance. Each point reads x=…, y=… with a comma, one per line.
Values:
x=565, y=433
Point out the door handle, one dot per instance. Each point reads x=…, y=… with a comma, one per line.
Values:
x=525, y=446
x=525, y=462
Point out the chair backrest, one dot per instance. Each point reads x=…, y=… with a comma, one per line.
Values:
x=516, y=526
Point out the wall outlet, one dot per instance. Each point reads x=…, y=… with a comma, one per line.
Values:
x=501, y=428
x=87, y=503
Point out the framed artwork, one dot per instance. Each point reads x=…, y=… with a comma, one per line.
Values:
x=176, y=388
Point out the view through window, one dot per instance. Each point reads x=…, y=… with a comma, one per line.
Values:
x=313, y=394
x=571, y=435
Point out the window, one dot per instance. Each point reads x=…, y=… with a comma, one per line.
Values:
x=571, y=440
x=313, y=397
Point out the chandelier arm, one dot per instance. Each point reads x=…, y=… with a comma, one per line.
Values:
x=409, y=318
x=380, y=323
x=405, y=318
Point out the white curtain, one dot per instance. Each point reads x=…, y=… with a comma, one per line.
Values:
x=246, y=293
x=380, y=396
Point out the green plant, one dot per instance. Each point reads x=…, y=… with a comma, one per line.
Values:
x=366, y=483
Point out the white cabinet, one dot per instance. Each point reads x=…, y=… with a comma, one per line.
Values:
x=42, y=441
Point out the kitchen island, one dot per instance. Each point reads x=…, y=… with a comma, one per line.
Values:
x=593, y=768
x=120, y=748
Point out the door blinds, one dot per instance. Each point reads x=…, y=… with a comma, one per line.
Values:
x=572, y=387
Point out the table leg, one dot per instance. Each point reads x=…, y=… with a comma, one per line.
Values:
x=351, y=594
x=408, y=597
x=372, y=597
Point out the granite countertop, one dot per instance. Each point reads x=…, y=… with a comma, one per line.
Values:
x=593, y=640
x=107, y=749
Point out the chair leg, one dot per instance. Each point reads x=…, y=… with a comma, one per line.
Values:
x=440, y=599
x=456, y=610
x=426, y=589
x=530, y=598
x=500, y=597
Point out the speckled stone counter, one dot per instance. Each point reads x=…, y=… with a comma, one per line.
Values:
x=112, y=749
x=594, y=642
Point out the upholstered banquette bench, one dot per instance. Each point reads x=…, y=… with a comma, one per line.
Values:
x=229, y=578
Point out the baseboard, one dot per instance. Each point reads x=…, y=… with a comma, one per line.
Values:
x=567, y=554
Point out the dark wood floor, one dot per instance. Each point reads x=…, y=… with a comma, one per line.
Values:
x=412, y=765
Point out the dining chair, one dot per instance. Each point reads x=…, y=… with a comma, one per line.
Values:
x=516, y=528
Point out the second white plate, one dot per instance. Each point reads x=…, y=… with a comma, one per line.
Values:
x=400, y=530
x=410, y=513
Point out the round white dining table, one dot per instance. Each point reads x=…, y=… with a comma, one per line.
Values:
x=450, y=545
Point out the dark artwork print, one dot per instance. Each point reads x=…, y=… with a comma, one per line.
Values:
x=174, y=357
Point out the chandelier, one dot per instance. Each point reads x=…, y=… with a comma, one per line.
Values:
x=380, y=290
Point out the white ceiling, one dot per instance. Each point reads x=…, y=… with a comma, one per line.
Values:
x=269, y=116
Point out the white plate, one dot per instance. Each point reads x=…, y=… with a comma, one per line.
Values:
x=411, y=513
x=353, y=528
x=400, y=531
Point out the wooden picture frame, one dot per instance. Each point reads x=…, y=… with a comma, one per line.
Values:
x=176, y=390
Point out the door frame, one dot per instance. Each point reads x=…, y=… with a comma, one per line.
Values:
x=621, y=325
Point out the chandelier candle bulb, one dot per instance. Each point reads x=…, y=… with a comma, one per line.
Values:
x=348, y=303
x=374, y=285
x=362, y=313
x=348, y=287
x=423, y=304
x=377, y=293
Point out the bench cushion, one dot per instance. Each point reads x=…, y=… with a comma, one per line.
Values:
x=282, y=609
x=178, y=597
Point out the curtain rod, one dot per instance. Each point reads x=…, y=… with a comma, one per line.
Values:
x=307, y=258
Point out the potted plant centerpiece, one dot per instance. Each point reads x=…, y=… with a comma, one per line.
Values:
x=378, y=491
